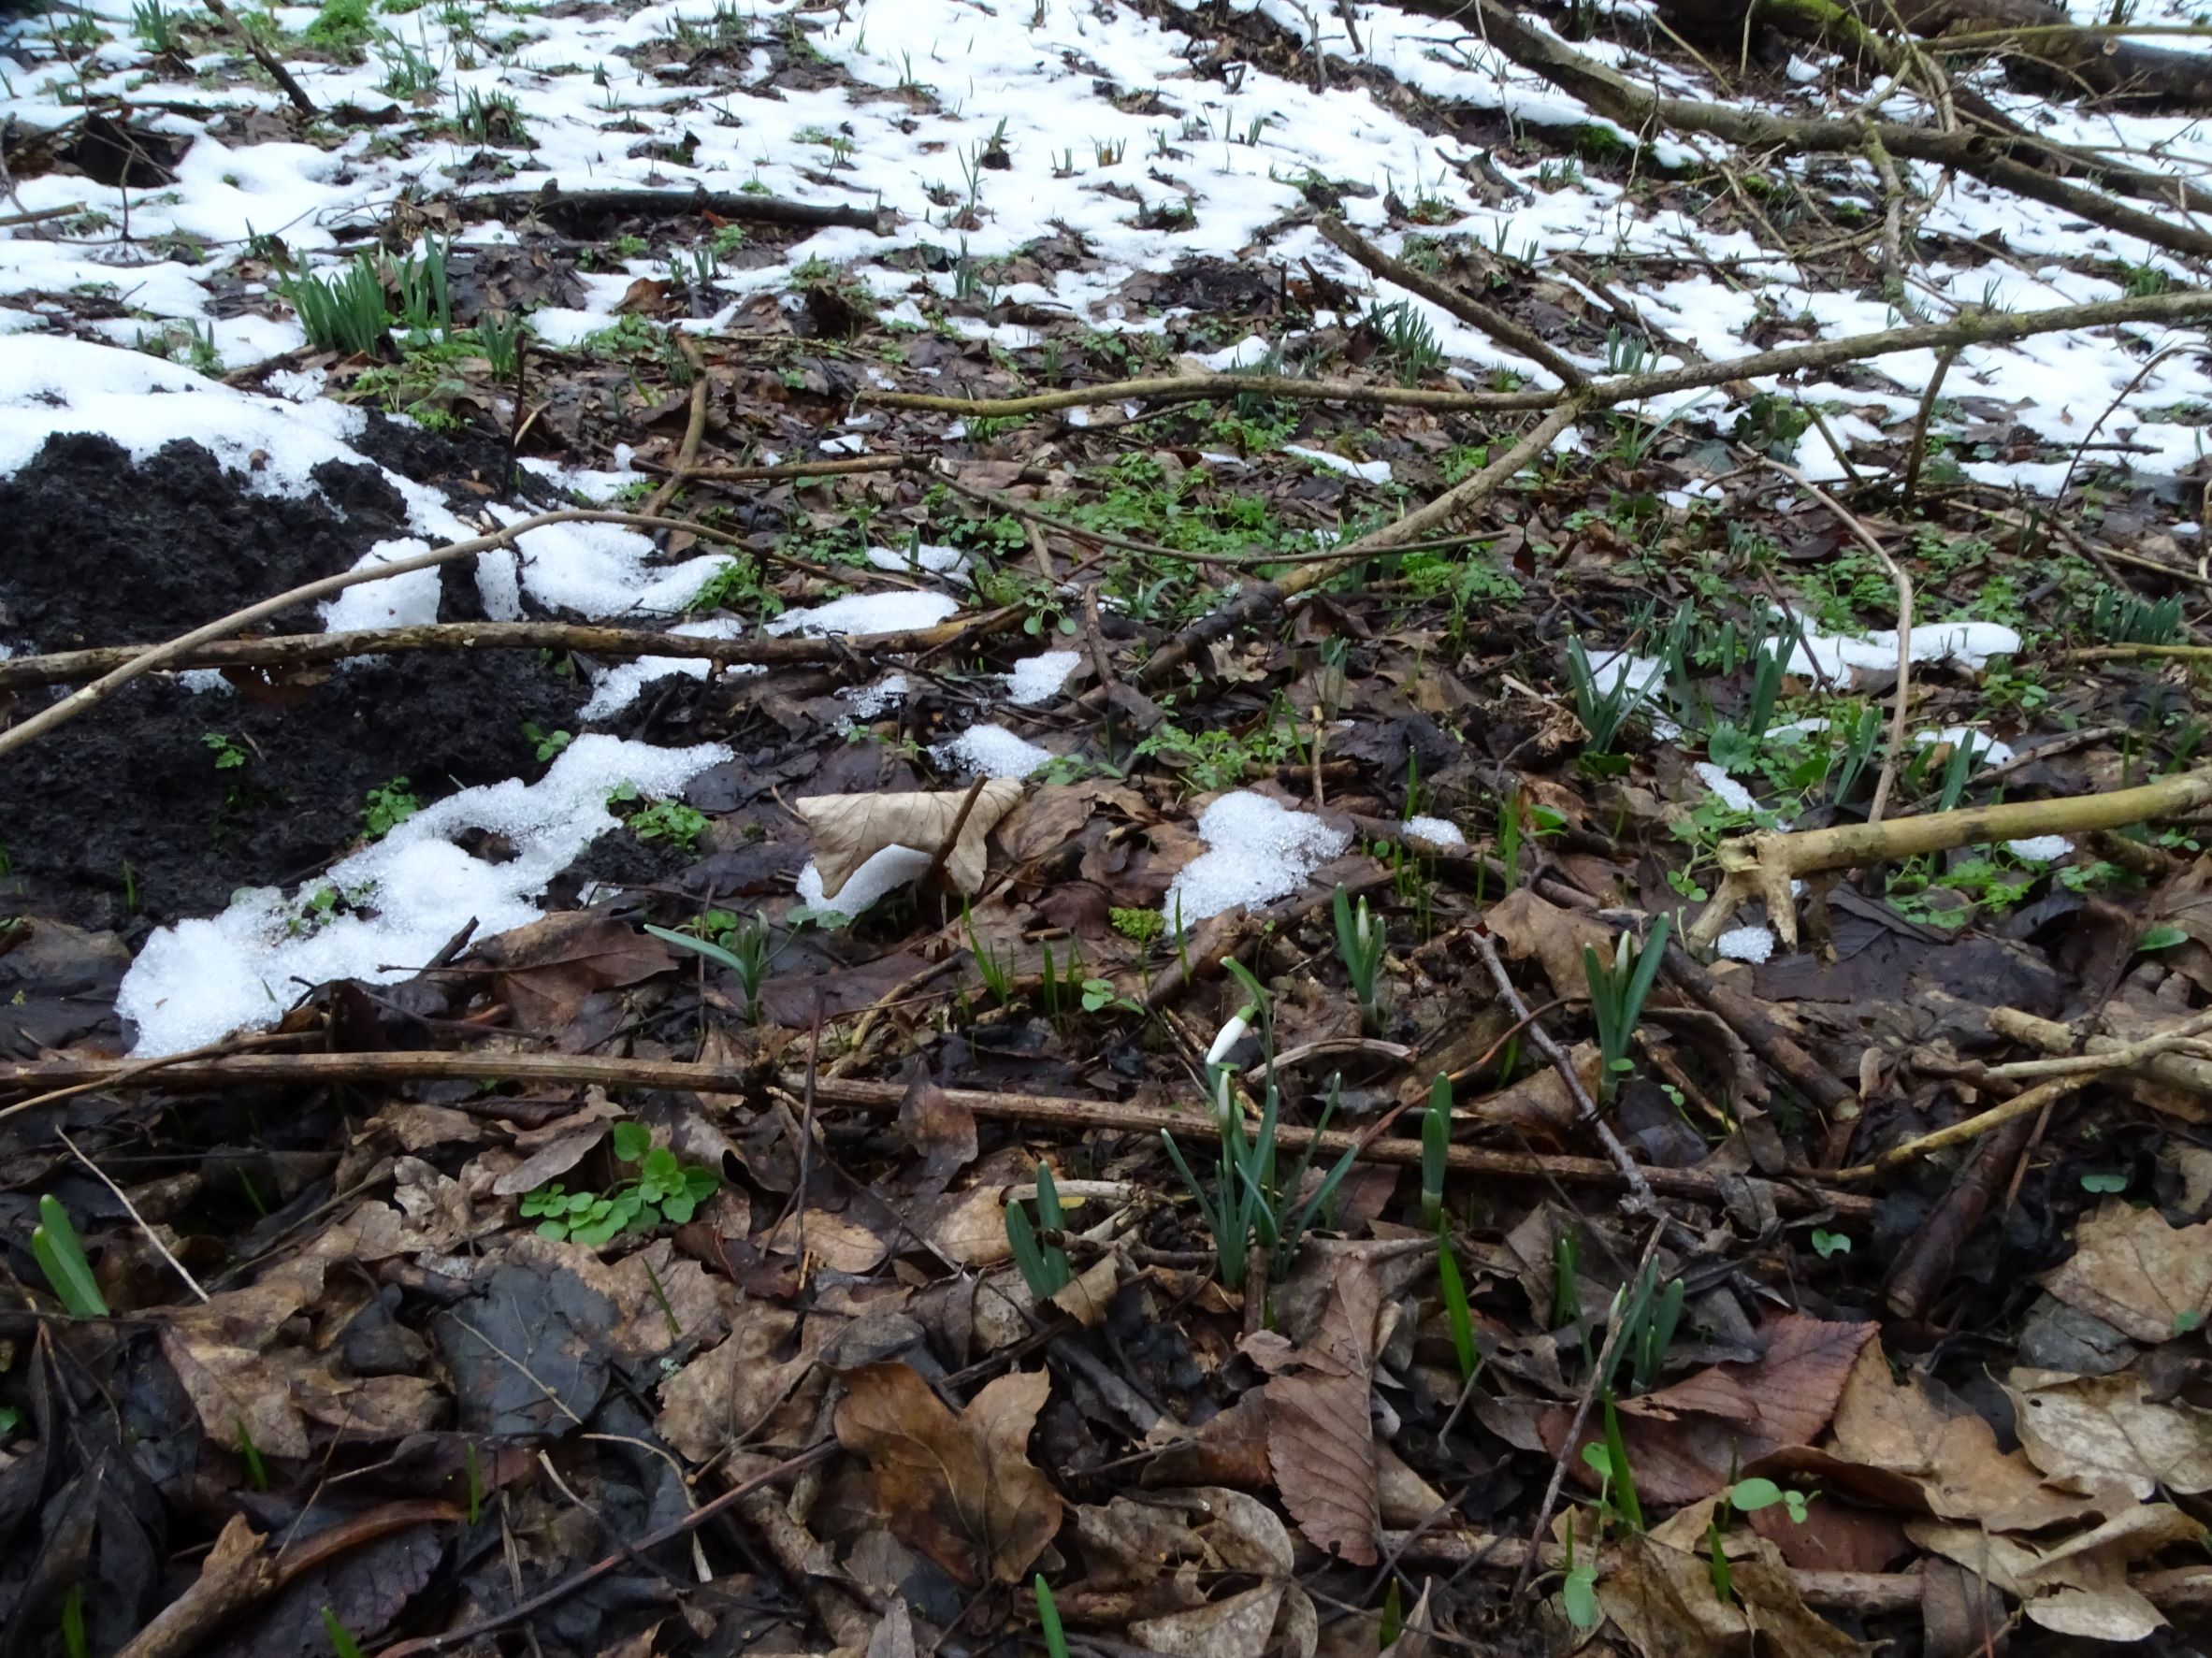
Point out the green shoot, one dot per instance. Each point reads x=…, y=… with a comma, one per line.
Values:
x=1578, y=1594
x=341, y=1642
x=256, y=1470
x=1617, y=996
x=60, y=1254
x=1361, y=939
x=1623, y=1478
x=748, y=960
x=1456, y=1314
x=996, y=967
x=1044, y=1268
x=1604, y=710
x=74, y=1644
x=1436, y=1149
x=1048, y=1619
x=1567, y=1295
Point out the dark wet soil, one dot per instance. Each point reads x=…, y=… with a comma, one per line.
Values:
x=123, y=818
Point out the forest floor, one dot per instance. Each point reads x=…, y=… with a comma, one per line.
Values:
x=1031, y=921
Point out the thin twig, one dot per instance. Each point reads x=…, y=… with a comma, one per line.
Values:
x=1640, y=1190
x=1614, y=1330
x=131, y=1209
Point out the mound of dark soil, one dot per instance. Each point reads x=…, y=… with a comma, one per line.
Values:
x=123, y=817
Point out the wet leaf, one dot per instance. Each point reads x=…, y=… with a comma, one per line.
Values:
x=960, y=1489
x=548, y=968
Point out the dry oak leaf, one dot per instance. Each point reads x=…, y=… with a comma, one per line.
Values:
x=962, y=1490
x=849, y=829
x=1950, y=1456
x=729, y=1392
x=1320, y=1433
x=2083, y=1429
x=2136, y=1273
x=2077, y=1586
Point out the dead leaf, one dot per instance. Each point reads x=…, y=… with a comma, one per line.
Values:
x=849, y=829
x=549, y=967
x=831, y=1241
x=729, y=1392
x=1529, y=926
x=2089, y=1428
x=1084, y=1297
x=960, y=1489
x=226, y=1356
x=549, y=1162
x=2077, y=1586
x=1951, y=1456
x=1660, y=1595
x=1320, y=1434
x=940, y=1127
x=1242, y=1626
x=2133, y=1271
x=1686, y=1441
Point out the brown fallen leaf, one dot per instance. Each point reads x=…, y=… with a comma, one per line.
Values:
x=1529, y=926
x=960, y=1489
x=1950, y=1455
x=1657, y=1589
x=1320, y=1434
x=2133, y=1271
x=1241, y=1626
x=2089, y=1428
x=226, y=1355
x=549, y=967
x=724, y=1393
x=849, y=829
x=1686, y=1441
x=2077, y=1586
x=940, y=1127
x=841, y=1244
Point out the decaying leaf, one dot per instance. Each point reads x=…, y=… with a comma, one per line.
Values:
x=1950, y=1455
x=1320, y=1434
x=547, y=968
x=849, y=829
x=2087, y=1428
x=2077, y=1586
x=729, y=1391
x=1529, y=926
x=1241, y=1626
x=1686, y=1441
x=960, y=1489
x=2136, y=1273
x=1657, y=1589
x=225, y=1354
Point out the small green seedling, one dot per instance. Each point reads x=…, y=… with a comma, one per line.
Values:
x=1828, y=1244
x=666, y=1189
x=1044, y=1267
x=60, y=1254
x=230, y=753
x=342, y=1644
x=1618, y=994
x=747, y=954
x=1458, y=1318
x=388, y=806
x=1048, y=1620
x=1361, y=939
x=1436, y=1149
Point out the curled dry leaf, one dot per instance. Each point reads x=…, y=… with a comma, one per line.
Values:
x=960, y=1489
x=2085, y=1429
x=2133, y=1271
x=226, y=1355
x=1320, y=1434
x=1657, y=1589
x=2077, y=1586
x=547, y=968
x=1950, y=1456
x=849, y=829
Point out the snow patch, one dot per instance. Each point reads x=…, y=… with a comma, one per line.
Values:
x=1754, y=944
x=994, y=751
x=867, y=612
x=1438, y=831
x=2040, y=849
x=1257, y=850
x=1038, y=679
x=199, y=980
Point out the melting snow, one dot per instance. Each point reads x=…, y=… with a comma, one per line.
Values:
x=1440, y=831
x=1257, y=850
x=1745, y=944
x=867, y=612
x=1038, y=679
x=200, y=980
x=994, y=751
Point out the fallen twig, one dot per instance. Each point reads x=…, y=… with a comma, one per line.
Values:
x=2022, y=1105
x=1469, y=309
x=583, y=204
x=1632, y=1175
x=317, y=1069
x=299, y=649
x=1762, y=865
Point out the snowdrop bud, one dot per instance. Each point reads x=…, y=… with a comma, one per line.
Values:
x=1231, y=1034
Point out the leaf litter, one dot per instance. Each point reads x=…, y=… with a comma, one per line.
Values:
x=810, y=1272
